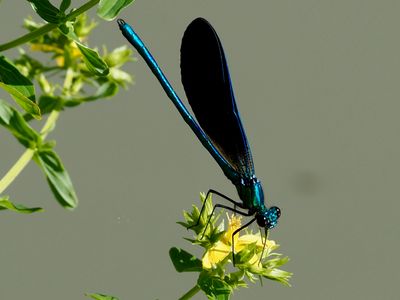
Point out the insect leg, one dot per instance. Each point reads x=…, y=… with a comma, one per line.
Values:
x=226, y=207
x=264, y=244
x=211, y=191
x=233, y=235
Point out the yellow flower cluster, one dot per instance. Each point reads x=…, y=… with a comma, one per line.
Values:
x=222, y=248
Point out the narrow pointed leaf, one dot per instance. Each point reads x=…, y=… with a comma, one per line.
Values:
x=47, y=11
x=95, y=64
x=10, y=75
x=64, y=5
x=49, y=103
x=5, y=203
x=57, y=177
x=119, y=56
x=16, y=124
x=27, y=105
x=214, y=287
x=101, y=297
x=19, y=87
x=278, y=275
x=109, y=9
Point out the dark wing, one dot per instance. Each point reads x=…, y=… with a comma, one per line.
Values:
x=207, y=84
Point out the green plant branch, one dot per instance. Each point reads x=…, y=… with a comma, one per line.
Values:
x=19, y=165
x=81, y=9
x=193, y=291
x=26, y=157
x=48, y=27
x=50, y=123
x=28, y=37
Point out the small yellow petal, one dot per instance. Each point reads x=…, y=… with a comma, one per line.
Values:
x=60, y=61
x=251, y=239
x=215, y=254
x=75, y=51
x=234, y=223
x=254, y=260
x=46, y=48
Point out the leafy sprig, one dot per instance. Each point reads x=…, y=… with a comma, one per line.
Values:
x=252, y=261
x=74, y=74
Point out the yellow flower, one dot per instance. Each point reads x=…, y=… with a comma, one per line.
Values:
x=221, y=249
x=46, y=48
x=58, y=51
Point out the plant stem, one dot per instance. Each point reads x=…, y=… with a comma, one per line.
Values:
x=81, y=9
x=50, y=123
x=28, y=37
x=19, y=165
x=48, y=27
x=193, y=291
x=26, y=157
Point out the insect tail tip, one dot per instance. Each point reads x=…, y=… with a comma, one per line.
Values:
x=121, y=22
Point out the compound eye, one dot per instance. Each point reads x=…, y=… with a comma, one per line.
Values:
x=273, y=215
x=276, y=210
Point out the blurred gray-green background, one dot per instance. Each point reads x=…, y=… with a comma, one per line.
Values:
x=318, y=87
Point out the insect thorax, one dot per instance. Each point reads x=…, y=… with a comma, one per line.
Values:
x=251, y=193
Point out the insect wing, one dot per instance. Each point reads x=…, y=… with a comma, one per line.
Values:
x=205, y=77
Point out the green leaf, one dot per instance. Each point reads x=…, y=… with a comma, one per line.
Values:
x=5, y=203
x=119, y=56
x=184, y=261
x=214, y=287
x=276, y=262
x=29, y=106
x=246, y=254
x=20, y=87
x=109, y=9
x=49, y=103
x=278, y=275
x=15, y=123
x=121, y=77
x=11, y=76
x=95, y=64
x=57, y=177
x=64, y=5
x=47, y=11
x=235, y=279
x=101, y=297
x=82, y=27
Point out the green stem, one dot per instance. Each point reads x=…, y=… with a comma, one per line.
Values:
x=81, y=9
x=46, y=28
x=28, y=37
x=69, y=77
x=193, y=291
x=26, y=157
x=50, y=123
x=19, y=165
